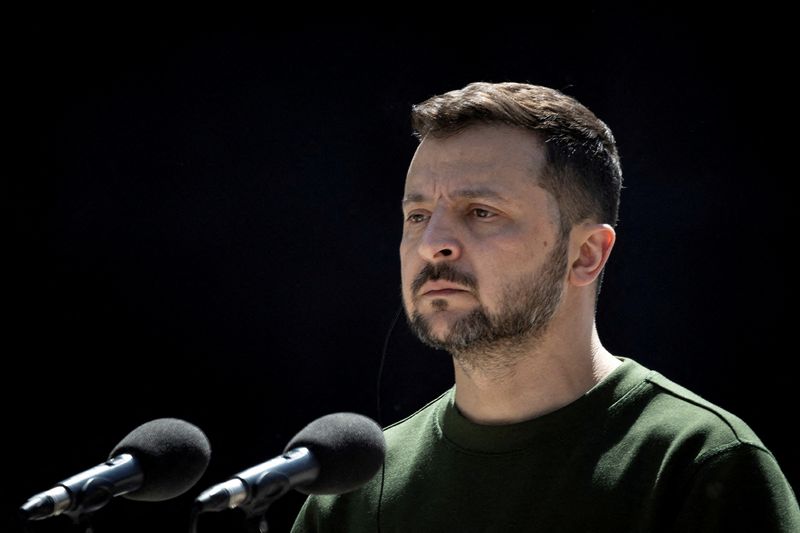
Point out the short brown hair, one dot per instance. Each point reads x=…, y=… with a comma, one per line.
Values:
x=582, y=171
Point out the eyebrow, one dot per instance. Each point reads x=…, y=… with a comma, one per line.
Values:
x=413, y=198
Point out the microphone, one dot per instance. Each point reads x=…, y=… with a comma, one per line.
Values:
x=158, y=460
x=332, y=455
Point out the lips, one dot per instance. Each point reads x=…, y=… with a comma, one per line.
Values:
x=442, y=279
x=441, y=288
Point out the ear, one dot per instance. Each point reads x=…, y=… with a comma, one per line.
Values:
x=592, y=246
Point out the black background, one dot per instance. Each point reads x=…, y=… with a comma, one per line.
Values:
x=205, y=219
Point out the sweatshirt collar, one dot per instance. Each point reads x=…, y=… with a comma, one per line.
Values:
x=589, y=409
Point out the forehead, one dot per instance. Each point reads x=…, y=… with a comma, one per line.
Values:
x=503, y=158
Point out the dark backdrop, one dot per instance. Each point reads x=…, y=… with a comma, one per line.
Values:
x=205, y=219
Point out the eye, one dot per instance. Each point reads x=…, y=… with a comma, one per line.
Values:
x=416, y=218
x=479, y=212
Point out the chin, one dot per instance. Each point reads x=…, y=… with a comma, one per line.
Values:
x=440, y=323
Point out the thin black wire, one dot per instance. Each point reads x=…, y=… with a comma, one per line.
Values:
x=194, y=517
x=378, y=401
x=380, y=497
x=383, y=361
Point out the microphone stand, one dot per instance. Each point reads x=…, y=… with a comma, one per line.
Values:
x=94, y=495
x=257, y=524
x=82, y=520
x=266, y=490
x=256, y=511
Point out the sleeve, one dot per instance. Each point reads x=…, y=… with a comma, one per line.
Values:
x=739, y=488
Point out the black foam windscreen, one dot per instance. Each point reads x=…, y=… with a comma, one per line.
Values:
x=349, y=447
x=173, y=455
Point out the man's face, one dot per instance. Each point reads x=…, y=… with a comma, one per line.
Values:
x=482, y=258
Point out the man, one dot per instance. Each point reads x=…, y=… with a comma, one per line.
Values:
x=510, y=203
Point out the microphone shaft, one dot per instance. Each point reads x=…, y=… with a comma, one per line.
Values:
x=86, y=490
x=262, y=483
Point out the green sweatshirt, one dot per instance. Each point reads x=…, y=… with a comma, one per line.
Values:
x=635, y=453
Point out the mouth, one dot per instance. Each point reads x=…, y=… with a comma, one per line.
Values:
x=441, y=288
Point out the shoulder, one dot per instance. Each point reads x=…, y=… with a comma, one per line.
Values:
x=418, y=425
x=673, y=433
x=676, y=411
x=707, y=464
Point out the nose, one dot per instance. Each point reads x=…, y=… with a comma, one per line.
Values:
x=440, y=241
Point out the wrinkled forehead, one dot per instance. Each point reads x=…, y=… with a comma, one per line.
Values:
x=501, y=158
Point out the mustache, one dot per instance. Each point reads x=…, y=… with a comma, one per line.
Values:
x=445, y=271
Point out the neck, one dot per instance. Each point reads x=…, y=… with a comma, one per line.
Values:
x=555, y=371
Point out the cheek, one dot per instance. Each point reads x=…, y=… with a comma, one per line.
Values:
x=519, y=248
x=501, y=265
x=408, y=270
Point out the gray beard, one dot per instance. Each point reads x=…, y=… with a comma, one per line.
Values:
x=482, y=340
